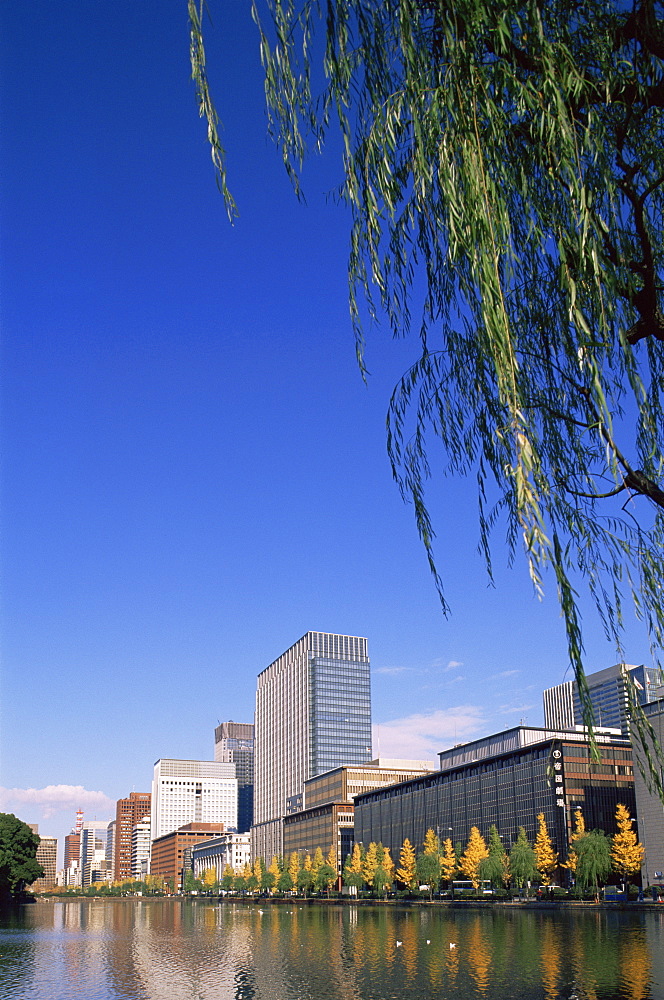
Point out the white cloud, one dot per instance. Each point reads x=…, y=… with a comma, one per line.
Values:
x=453, y=664
x=55, y=798
x=507, y=673
x=512, y=709
x=391, y=670
x=422, y=736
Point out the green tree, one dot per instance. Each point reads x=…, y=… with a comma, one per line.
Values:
x=227, y=879
x=495, y=867
x=523, y=861
x=626, y=852
x=473, y=856
x=547, y=859
x=593, y=859
x=507, y=159
x=18, y=850
x=285, y=882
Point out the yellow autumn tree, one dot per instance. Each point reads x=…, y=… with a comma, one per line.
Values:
x=294, y=866
x=472, y=857
x=546, y=858
x=579, y=831
x=331, y=858
x=353, y=869
x=626, y=852
x=431, y=844
x=388, y=864
x=318, y=860
x=274, y=868
x=448, y=860
x=406, y=872
x=209, y=878
x=370, y=863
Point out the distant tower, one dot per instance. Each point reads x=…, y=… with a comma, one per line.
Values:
x=73, y=842
x=234, y=744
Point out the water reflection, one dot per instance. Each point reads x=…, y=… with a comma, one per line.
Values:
x=179, y=950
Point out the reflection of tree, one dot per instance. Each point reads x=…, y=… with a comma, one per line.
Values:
x=635, y=966
x=550, y=960
x=479, y=954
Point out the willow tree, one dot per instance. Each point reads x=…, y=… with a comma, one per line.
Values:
x=503, y=161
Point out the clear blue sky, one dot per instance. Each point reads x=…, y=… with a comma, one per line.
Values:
x=194, y=473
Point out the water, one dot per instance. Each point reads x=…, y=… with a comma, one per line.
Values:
x=198, y=950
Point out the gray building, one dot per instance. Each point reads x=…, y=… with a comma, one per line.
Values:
x=234, y=744
x=650, y=809
x=506, y=780
x=313, y=714
x=609, y=695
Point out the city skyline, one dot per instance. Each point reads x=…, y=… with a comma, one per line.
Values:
x=194, y=471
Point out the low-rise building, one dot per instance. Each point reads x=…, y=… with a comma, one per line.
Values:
x=232, y=849
x=507, y=780
x=168, y=851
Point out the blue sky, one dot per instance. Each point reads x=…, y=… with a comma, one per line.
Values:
x=194, y=473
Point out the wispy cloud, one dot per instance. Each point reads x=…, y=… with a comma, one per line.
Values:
x=513, y=709
x=391, y=670
x=55, y=798
x=440, y=664
x=506, y=673
x=422, y=736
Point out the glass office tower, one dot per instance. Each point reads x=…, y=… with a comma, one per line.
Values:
x=313, y=713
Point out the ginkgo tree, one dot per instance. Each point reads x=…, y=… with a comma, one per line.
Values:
x=503, y=161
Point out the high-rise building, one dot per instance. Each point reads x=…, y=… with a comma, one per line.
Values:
x=128, y=812
x=234, y=744
x=609, y=696
x=648, y=803
x=313, y=713
x=192, y=791
x=92, y=857
x=46, y=856
x=141, y=842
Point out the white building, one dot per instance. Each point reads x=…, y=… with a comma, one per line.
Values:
x=232, y=849
x=313, y=714
x=141, y=843
x=192, y=791
x=92, y=855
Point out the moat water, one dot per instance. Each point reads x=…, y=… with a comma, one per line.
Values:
x=177, y=949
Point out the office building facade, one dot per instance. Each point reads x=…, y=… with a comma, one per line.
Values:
x=609, y=692
x=313, y=713
x=650, y=809
x=234, y=744
x=141, y=842
x=128, y=812
x=327, y=817
x=228, y=849
x=506, y=780
x=192, y=791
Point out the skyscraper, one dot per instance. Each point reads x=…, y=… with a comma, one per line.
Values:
x=192, y=791
x=234, y=744
x=313, y=713
x=128, y=812
x=609, y=696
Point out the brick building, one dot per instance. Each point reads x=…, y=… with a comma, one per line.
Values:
x=168, y=852
x=128, y=812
